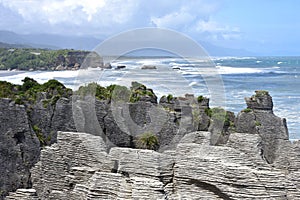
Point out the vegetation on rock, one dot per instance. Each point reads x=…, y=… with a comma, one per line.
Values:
x=170, y=98
x=247, y=110
x=259, y=93
x=40, y=136
x=220, y=115
x=116, y=93
x=147, y=140
x=138, y=91
x=29, y=90
x=257, y=123
x=200, y=99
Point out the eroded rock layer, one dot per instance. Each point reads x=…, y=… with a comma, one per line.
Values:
x=78, y=167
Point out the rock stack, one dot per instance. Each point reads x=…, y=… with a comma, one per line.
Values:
x=259, y=119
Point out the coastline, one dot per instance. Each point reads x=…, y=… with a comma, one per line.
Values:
x=244, y=76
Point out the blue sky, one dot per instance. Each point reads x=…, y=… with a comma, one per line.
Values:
x=264, y=26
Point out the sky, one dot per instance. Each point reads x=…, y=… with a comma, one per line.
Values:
x=263, y=26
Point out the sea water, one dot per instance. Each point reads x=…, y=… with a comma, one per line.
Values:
x=240, y=77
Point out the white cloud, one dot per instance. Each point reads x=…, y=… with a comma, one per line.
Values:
x=217, y=31
x=112, y=16
x=72, y=11
x=173, y=20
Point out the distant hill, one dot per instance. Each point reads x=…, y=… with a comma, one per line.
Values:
x=5, y=45
x=51, y=41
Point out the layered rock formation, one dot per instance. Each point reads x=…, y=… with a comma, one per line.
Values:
x=259, y=119
x=77, y=167
x=255, y=162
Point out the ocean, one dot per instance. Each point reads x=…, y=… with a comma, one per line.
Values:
x=234, y=78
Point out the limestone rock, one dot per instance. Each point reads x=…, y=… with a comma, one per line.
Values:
x=140, y=92
x=19, y=147
x=257, y=163
x=77, y=167
x=24, y=194
x=260, y=101
x=260, y=119
x=245, y=123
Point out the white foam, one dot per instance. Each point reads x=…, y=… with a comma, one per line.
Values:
x=236, y=70
x=40, y=76
x=233, y=58
x=149, y=62
x=193, y=83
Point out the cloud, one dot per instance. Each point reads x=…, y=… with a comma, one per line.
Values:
x=108, y=17
x=217, y=31
x=61, y=11
x=173, y=20
x=194, y=19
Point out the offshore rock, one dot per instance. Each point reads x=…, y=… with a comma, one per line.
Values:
x=148, y=67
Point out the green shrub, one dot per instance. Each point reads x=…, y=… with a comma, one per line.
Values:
x=208, y=112
x=261, y=93
x=147, y=141
x=53, y=87
x=39, y=135
x=257, y=123
x=54, y=99
x=19, y=101
x=7, y=90
x=220, y=115
x=29, y=83
x=247, y=110
x=46, y=102
x=138, y=90
x=119, y=93
x=200, y=99
x=169, y=98
x=86, y=89
x=134, y=99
